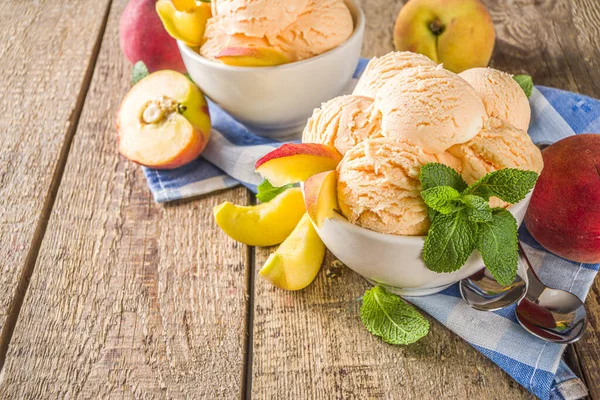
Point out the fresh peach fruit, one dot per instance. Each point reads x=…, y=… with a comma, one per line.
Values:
x=163, y=121
x=564, y=212
x=320, y=196
x=252, y=57
x=297, y=261
x=266, y=224
x=184, y=19
x=143, y=38
x=458, y=33
x=293, y=163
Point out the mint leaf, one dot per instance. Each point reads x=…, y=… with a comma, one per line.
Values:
x=441, y=199
x=478, y=209
x=450, y=241
x=525, y=82
x=389, y=317
x=497, y=242
x=437, y=174
x=267, y=192
x=139, y=72
x=509, y=184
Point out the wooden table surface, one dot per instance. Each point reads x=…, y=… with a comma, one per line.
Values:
x=105, y=294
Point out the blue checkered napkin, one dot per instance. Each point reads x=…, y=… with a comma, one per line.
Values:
x=229, y=160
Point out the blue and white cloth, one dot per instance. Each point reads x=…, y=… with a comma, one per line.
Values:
x=229, y=160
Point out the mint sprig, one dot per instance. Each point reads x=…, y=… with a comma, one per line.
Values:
x=526, y=83
x=462, y=220
x=139, y=72
x=389, y=317
x=267, y=192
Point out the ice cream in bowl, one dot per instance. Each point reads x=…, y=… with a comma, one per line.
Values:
x=407, y=113
x=270, y=63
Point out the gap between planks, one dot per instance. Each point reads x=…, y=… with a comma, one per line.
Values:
x=42, y=224
x=246, y=392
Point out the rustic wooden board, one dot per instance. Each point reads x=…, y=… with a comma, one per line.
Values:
x=128, y=299
x=311, y=344
x=46, y=49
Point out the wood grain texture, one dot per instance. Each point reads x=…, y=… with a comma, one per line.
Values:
x=128, y=299
x=311, y=344
x=45, y=51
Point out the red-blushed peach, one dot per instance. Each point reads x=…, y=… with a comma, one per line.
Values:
x=292, y=163
x=458, y=33
x=143, y=38
x=296, y=263
x=320, y=196
x=564, y=213
x=252, y=57
x=163, y=121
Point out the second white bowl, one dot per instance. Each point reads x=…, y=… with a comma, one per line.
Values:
x=278, y=99
x=393, y=261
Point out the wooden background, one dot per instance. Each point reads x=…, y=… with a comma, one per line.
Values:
x=105, y=294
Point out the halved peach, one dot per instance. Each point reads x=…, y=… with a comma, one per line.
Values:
x=252, y=57
x=163, y=121
x=297, y=261
x=292, y=163
x=184, y=19
x=320, y=196
x=266, y=224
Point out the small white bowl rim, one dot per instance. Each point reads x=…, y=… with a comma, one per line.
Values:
x=397, y=239
x=358, y=29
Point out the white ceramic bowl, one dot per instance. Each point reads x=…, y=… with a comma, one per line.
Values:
x=278, y=99
x=395, y=261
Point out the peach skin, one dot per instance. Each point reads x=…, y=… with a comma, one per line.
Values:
x=266, y=224
x=292, y=163
x=163, y=121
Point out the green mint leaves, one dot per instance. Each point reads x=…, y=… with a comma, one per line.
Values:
x=139, y=72
x=525, y=82
x=389, y=317
x=462, y=220
x=267, y=192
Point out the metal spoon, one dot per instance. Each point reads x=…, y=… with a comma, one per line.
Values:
x=482, y=292
x=551, y=314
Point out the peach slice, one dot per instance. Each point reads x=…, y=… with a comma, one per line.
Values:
x=293, y=163
x=297, y=261
x=266, y=224
x=184, y=19
x=320, y=196
x=252, y=57
x=163, y=121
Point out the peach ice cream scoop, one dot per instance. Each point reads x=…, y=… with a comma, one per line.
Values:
x=343, y=122
x=501, y=95
x=381, y=69
x=499, y=145
x=430, y=107
x=379, y=189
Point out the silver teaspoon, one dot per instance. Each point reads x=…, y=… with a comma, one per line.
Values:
x=482, y=292
x=551, y=314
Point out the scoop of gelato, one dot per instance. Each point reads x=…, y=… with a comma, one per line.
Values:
x=379, y=188
x=430, y=107
x=381, y=69
x=501, y=95
x=343, y=122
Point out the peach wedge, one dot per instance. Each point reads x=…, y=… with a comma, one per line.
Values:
x=297, y=261
x=184, y=19
x=163, y=121
x=320, y=196
x=266, y=224
x=251, y=57
x=292, y=163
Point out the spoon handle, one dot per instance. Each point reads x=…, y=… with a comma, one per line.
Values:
x=535, y=286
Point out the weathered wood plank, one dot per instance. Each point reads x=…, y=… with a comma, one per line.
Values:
x=46, y=51
x=128, y=299
x=311, y=344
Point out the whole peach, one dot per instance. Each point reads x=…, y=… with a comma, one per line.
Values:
x=564, y=213
x=144, y=38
